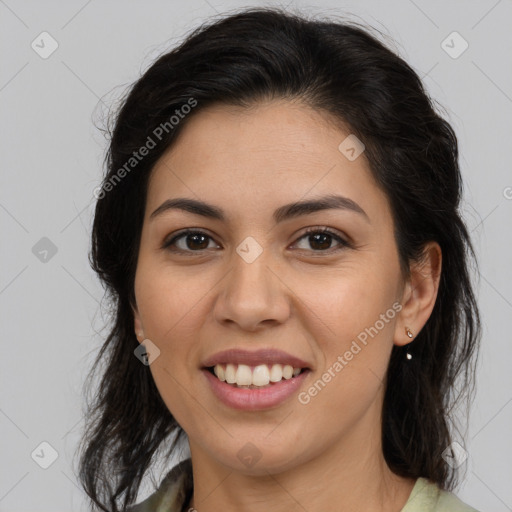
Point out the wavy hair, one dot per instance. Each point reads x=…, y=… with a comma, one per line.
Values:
x=341, y=69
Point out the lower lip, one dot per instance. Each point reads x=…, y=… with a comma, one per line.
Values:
x=255, y=399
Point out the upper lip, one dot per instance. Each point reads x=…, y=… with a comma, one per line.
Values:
x=253, y=358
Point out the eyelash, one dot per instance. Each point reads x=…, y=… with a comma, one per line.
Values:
x=313, y=230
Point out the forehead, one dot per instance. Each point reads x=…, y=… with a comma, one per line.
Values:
x=248, y=160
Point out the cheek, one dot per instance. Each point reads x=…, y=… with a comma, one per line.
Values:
x=341, y=305
x=168, y=311
x=166, y=299
x=173, y=306
x=351, y=317
x=351, y=373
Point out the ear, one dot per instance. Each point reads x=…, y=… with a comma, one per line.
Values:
x=137, y=324
x=420, y=293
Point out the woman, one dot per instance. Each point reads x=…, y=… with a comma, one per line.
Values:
x=278, y=231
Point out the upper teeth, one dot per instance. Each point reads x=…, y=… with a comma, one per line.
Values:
x=261, y=375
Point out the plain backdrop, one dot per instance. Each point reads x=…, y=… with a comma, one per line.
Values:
x=51, y=161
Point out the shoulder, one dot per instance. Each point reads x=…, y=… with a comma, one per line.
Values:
x=426, y=496
x=173, y=492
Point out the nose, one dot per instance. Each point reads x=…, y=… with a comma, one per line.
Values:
x=252, y=294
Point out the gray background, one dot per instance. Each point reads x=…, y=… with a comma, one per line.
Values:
x=51, y=162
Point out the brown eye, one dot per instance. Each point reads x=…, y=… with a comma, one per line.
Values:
x=320, y=240
x=188, y=241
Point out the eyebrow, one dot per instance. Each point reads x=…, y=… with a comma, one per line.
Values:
x=283, y=213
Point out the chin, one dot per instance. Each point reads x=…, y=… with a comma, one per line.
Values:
x=248, y=459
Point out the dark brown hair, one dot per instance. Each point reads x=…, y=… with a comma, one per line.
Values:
x=338, y=68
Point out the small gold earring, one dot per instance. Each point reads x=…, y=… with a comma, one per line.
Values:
x=410, y=335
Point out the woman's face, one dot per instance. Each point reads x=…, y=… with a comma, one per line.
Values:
x=256, y=281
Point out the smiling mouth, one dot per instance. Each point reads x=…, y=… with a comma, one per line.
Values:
x=254, y=377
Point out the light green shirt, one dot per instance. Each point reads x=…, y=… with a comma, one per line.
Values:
x=176, y=489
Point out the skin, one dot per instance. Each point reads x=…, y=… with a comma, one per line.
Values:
x=296, y=296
